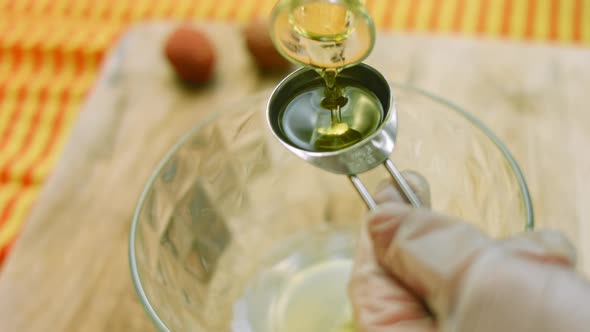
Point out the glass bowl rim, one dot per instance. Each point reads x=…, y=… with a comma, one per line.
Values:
x=137, y=283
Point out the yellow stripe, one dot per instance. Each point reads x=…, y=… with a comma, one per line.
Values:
x=266, y=7
x=42, y=170
x=37, y=145
x=60, y=6
x=159, y=8
x=85, y=38
x=495, y=16
x=32, y=37
x=7, y=191
x=518, y=19
x=65, y=80
x=378, y=11
x=99, y=9
x=89, y=40
x=180, y=8
x=20, y=129
x=16, y=34
x=5, y=27
x=203, y=8
x=446, y=15
x=19, y=6
x=423, y=15
x=542, y=17
x=45, y=121
x=71, y=39
x=564, y=29
x=6, y=66
x=167, y=9
x=9, y=230
x=224, y=7
x=470, y=16
x=19, y=75
x=39, y=5
x=586, y=22
x=103, y=37
x=244, y=11
x=80, y=85
x=400, y=15
x=55, y=38
x=76, y=8
x=6, y=109
x=23, y=73
x=61, y=82
x=114, y=11
x=53, y=106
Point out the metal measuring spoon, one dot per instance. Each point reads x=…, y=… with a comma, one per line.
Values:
x=370, y=152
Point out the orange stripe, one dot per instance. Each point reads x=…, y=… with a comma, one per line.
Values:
x=233, y=12
x=18, y=58
x=151, y=8
x=9, y=207
x=434, y=15
x=482, y=19
x=458, y=18
x=170, y=10
x=577, y=21
x=553, y=20
x=412, y=13
x=47, y=7
x=126, y=12
x=9, y=5
x=529, y=29
x=65, y=98
x=55, y=130
x=107, y=13
x=388, y=12
x=29, y=137
x=212, y=12
x=505, y=30
x=67, y=10
x=191, y=11
x=251, y=15
x=20, y=100
x=28, y=6
x=87, y=10
x=4, y=252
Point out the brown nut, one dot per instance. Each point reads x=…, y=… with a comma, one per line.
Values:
x=261, y=48
x=191, y=54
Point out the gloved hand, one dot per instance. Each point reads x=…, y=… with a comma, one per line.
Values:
x=419, y=271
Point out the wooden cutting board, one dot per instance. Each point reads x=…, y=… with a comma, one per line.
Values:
x=69, y=269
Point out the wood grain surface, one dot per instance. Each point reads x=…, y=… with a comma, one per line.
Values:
x=69, y=269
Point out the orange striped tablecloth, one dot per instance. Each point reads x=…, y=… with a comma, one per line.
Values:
x=50, y=51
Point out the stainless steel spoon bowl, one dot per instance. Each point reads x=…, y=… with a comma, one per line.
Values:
x=360, y=157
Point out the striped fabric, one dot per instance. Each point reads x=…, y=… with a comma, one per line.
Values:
x=50, y=51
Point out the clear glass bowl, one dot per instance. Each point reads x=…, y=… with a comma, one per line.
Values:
x=230, y=218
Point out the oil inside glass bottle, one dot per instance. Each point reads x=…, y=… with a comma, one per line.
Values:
x=323, y=34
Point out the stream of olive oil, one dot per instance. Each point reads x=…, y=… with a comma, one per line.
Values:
x=338, y=135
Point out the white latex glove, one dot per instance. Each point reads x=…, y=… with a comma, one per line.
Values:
x=418, y=271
